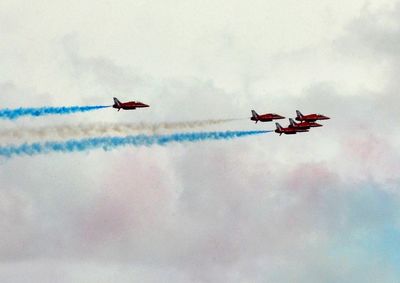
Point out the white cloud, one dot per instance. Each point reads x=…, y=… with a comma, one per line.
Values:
x=271, y=208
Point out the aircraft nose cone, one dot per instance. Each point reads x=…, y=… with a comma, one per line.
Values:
x=145, y=105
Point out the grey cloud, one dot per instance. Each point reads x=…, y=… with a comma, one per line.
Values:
x=265, y=209
x=376, y=32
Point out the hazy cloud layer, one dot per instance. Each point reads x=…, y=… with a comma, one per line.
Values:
x=318, y=207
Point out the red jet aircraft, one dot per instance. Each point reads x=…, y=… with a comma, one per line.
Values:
x=128, y=105
x=310, y=117
x=287, y=131
x=264, y=117
x=303, y=125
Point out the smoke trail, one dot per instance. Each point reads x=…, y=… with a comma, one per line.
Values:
x=13, y=114
x=108, y=143
x=80, y=131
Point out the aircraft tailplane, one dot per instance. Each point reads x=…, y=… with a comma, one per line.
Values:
x=299, y=115
x=117, y=102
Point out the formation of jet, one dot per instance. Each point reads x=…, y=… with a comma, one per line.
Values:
x=268, y=117
x=128, y=105
x=306, y=122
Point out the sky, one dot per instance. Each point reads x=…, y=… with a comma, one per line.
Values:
x=323, y=206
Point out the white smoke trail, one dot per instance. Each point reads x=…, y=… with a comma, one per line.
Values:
x=101, y=129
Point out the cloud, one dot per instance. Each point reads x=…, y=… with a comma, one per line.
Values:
x=321, y=207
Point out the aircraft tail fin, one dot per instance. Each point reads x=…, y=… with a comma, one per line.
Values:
x=299, y=115
x=117, y=102
x=278, y=126
x=292, y=123
x=254, y=116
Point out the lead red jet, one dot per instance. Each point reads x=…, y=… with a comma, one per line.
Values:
x=128, y=105
x=303, y=125
x=264, y=117
x=287, y=131
x=310, y=117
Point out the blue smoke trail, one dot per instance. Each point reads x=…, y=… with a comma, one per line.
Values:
x=13, y=114
x=108, y=143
